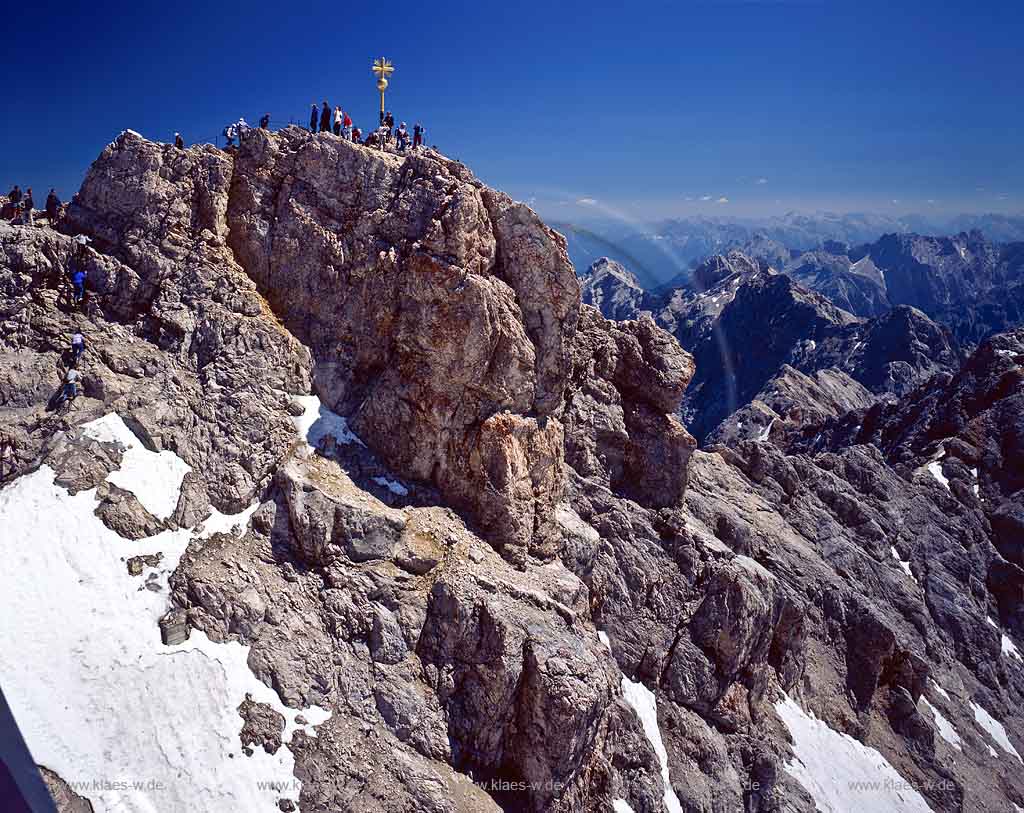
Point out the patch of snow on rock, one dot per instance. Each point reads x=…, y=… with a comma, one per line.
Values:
x=840, y=773
x=642, y=700
x=621, y=806
x=97, y=696
x=317, y=422
x=392, y=486
x=942, y=692
x=944, y=726
x=153, y=477
x=995, y=730
x=903, y=564
x=935, y=467
x=1010, y=648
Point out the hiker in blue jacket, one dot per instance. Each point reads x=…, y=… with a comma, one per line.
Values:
x=76, y=269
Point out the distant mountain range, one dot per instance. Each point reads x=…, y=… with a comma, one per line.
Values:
x=658, y=252
x=822, y=331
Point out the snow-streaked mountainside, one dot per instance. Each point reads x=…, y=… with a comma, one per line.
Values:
x=119, y=717
x=423, y=531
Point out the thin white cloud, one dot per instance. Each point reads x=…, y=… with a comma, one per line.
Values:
x=705, y=197
x=761, y=181
x=722, y=199
x=930, y=201
x=586, y=201
x=689, y=198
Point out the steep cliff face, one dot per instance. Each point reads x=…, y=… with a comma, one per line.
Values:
x=470, y=530
x=438, y=313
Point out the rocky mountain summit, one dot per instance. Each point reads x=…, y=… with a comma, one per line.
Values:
x=452, y=520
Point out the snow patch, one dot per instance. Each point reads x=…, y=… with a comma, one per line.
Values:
x=392, y=486
x=153, y=477
x=942, y=692
x=811, y=344
x=318, y=422
x=935, y=467
x=944, y=726
x=602, y=636
x=767, y=430
x=903, y=564
x=995, y=730
x=97, y=697
x=841, y=773
x=1010, y=648
x=642, y=700
x=976, y=487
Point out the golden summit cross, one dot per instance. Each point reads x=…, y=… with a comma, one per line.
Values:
x=383, y=68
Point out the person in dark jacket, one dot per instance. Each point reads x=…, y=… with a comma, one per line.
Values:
x=28, y=206
x=52, y=206
x=265, y=122
x=389, y=122
x=179, y=142
x=8, y=454
x=15, y=194
x=417, y=135
x=314, y=116
x=325, y=119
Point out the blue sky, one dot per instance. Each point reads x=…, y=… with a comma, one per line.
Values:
x=647, y=109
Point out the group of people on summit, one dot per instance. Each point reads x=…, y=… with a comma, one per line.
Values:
x=19, y=207
x=325, y=119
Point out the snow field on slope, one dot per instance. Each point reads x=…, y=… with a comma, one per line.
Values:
x=642, y=700
x=842, y=774
x=131, y=724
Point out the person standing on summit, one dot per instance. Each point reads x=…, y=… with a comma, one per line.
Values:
x=28, y=207
x=325, y=119
x=338, y=118
x=313, y=117
x=389, y=122
x=417, y=136
x=52, y=206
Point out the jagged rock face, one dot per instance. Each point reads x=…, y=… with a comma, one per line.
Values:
x=438, y=312
x=627, y=381
x=842, y=571
x=613, y=290
x=857, y=287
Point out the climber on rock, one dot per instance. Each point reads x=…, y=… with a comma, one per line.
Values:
x=78, y=273
x=15, y=194
x=229, y=135
x=179, y=142
x=265, y=122
x=389, y=122
x=77, y=347
x=338, y=119
x=314, y=115
x=69, y=392
x=325, y=118
x=8, y=450
x=346, y=127
x=417, y=136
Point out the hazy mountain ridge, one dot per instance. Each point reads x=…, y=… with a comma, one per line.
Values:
x=665, y=249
